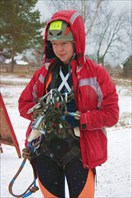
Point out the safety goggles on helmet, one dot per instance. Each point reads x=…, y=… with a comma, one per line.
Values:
x=59, y=30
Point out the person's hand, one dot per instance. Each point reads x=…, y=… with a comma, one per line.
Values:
x=77, y=115
x=26, y=153
x=36, y=113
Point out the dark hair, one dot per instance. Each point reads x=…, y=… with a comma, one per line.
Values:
x=54, y=66
x=49, y=51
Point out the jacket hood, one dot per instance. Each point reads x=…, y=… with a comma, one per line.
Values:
x=74, y=19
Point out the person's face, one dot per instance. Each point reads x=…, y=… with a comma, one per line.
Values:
x=63, y=50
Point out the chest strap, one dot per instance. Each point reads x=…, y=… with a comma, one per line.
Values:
x=64, y=81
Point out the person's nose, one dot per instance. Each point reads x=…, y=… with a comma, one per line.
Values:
x=60, y=48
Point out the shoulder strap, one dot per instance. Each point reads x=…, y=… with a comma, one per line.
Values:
x=54, y=77
x=51, y=75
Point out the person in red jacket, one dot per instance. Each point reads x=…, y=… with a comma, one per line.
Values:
x=93, y=102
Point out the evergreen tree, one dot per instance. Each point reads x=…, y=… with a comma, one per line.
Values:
x=20, y=27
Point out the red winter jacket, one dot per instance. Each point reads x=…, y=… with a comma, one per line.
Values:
x=95, y=94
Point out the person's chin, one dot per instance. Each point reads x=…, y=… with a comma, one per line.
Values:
x=63, y=60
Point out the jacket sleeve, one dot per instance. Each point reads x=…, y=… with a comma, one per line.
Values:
x=30, y=96
x=108, y=113
x=25, y=101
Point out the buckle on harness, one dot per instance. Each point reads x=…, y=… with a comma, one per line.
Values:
x=38, y=151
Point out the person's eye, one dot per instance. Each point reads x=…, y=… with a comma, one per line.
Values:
x=64, y=43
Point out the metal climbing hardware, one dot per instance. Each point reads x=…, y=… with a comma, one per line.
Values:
x=51, y=120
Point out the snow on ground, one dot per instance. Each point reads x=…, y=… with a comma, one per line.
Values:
x=113, y=178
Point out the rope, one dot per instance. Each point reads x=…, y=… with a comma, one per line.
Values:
x=31, y=189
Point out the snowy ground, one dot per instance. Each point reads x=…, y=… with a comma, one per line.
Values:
x=113, y=178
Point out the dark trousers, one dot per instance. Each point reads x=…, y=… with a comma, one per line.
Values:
x=52, y=173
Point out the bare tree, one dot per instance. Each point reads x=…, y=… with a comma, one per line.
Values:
x=109, y=36
x=88, y=9
x=128, y=35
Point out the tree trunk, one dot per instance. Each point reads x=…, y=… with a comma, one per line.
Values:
x=12, y=60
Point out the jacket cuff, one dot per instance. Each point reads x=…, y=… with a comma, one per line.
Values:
x=83, y=121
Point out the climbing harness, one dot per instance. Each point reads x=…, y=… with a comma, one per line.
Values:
x=50, y=123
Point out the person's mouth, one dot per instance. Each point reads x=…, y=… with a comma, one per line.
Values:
x=61, y=55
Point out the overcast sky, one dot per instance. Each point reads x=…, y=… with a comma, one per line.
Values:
x=116, y=4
